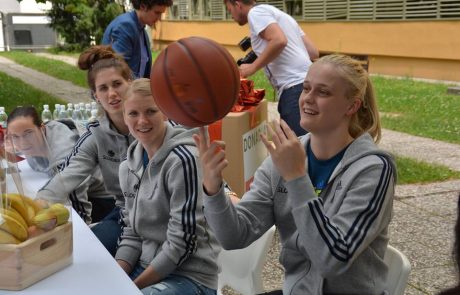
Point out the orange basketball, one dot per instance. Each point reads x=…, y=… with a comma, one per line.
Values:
x=195, y=81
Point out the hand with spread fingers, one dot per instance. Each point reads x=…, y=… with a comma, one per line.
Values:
x=286, y=152
x=213, y=161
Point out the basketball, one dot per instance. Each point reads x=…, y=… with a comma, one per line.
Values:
x=195, y=81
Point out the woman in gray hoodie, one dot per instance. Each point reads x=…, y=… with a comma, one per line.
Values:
x=105, y=142
x=45, y=147
x=329, y=193
x=166, y=243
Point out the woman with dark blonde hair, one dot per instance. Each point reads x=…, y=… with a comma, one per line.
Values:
x=166, y=246
x=105, y=142
x=329, y=193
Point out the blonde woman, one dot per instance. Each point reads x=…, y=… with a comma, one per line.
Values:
x=166, y=246
x=329, y=193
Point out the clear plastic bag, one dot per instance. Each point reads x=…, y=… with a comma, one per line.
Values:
x=28, y=166
x=35, y=237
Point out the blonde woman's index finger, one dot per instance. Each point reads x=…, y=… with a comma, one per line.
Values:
x=204, y=137
x=205, y=134
x=200, y=139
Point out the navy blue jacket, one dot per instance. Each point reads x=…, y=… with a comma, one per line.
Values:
x=123, y=34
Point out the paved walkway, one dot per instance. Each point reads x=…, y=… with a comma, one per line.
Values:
x=424, y=215
x=59, y=88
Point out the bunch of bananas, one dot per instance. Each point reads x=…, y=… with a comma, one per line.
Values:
x=18, y=214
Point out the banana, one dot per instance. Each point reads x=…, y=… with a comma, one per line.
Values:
x=14, y=214
x=32, y=204
x=13, y=227
x=62, y=213
x=45, y=219
x=15, y=201
x=20, y=204
x=7, y=238
x=51, y=217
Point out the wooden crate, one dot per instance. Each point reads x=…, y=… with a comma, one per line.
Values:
x=35, y=259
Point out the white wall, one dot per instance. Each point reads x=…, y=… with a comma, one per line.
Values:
x=29, y=6
x=7, y=6
x=26, y=6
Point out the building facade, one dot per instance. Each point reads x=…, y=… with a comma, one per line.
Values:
x=24, y=25
x=413, y=38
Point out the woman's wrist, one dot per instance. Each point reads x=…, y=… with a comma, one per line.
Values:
x=211, y=192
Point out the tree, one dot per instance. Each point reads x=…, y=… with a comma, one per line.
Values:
x=79, y=22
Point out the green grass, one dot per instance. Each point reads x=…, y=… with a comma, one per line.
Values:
x=419, y=108
x=58, y=51
x=411, y=171
x=54, y=68
x=14, y=93
x=261, y=82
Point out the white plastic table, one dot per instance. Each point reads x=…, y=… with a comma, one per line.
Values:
x=93, y=271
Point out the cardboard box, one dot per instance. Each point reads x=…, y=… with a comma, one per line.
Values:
x=25, y=264
x=244, y=149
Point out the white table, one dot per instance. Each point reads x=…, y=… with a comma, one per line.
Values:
x=93, y=271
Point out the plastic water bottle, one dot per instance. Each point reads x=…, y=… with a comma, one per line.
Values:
x=57, y=108
x=63, y=113
x=93, y=116
x=46, y=114
x=3, y=117
x=70, y=110
x=77, y=117
x=94, y=105
x=88, y=110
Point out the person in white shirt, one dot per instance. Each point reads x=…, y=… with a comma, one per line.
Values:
x=283, y=50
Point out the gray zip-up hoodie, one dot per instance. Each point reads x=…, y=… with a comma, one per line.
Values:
x=60, y=141
x=165, y=225
x=100, y=146
x=331, y=244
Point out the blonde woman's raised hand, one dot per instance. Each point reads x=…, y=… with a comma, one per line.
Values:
x=212, y=159
x=286, y=151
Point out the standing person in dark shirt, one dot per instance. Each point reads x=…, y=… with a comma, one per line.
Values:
x=126, y=34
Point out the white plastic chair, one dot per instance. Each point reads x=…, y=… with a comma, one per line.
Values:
x=398, y=272
x=242, y=269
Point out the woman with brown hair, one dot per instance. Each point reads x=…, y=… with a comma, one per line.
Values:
x=105, y=142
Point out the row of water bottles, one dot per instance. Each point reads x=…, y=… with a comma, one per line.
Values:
x=80, y=113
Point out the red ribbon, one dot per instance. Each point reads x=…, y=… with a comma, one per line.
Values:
x=248, y=98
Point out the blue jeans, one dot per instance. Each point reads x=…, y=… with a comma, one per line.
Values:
x=288, y=107
x=173, y=285
x=109, y=230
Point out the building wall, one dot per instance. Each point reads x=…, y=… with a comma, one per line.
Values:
x=25, y=6
x=30, y=6
x=7, y=6
x=422, y=49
